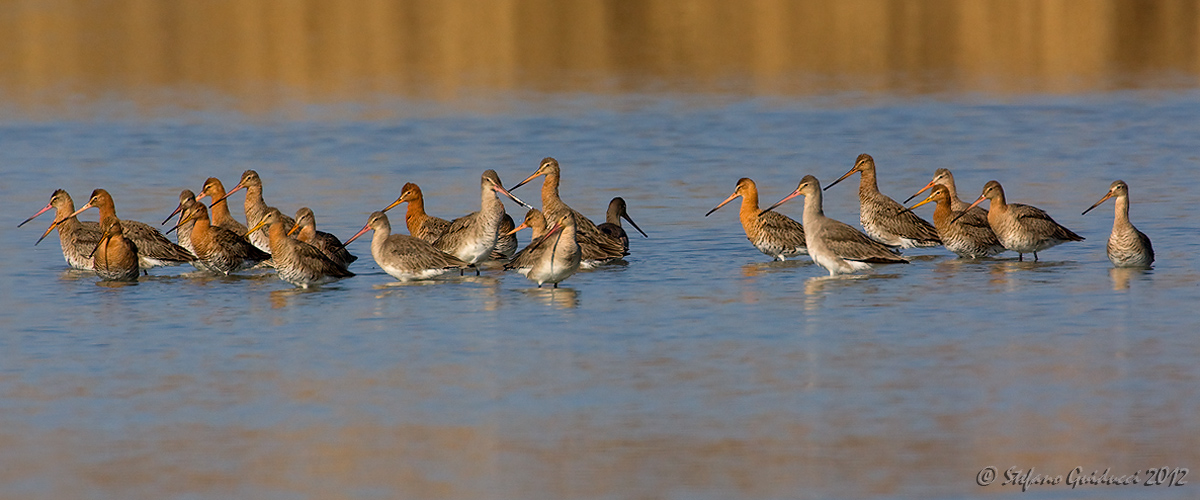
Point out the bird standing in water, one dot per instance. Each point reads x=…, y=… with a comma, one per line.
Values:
x=1019, y=227
x=1127, y=247
x=882, y=218
x=772, y=233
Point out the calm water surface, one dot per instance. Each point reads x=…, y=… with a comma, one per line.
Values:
x=696, y=370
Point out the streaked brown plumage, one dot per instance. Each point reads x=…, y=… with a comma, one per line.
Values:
x=115, y=257
x=597, y=247
x=968, y=236
x=306, y=231
x=219, y=250
x=506, y=240
x=219, y=210
x=832, y=244
x=1022, y=228
x=553, y=257
x=772, y=233
x=255, y=208
x=402, y=256
x=882, y=218
x=612, y=222
x=472, y=237
x=76, y=237
x=1127, y=247
x=420, y=224
x=154, y=249
x=295, y=261
x=183, y=233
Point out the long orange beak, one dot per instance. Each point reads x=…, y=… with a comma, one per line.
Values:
x=359, y=233
x=723, y=203
x=1107, y=196
x=40, y=212
x=256, y=227
x=784, y=200
x=927, y=200
x=394, y=203
x=840, y=179
x=77, y=212
x=517, y=229
x=527, y=179
x=294, y=228
x=927, y=186
x=973, y=205
x=48, y=230
x=227, y=193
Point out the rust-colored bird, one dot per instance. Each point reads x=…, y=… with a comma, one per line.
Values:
x=772, y=233
x=968, y=236
x=420, y=224
x=115, y=257
x=219, y=250
x=255, y=208
x=154, y=249
x=219, y=210
x=306, y=231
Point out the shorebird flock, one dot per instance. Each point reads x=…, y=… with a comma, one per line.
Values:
x=564, y=241
x=210, y=239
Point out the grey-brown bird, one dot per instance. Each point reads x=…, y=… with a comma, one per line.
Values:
x=76, y=237
x=472, y=237
x=598, y=247
x=833, y=245
x=402, y=256
x=551, y=258
x=1022, y=228
x=884, y=219
x=183, y=233
x=1127, y=247
x=256, y=208
x=295, y=261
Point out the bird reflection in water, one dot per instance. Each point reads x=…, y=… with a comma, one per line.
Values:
x=561, y=297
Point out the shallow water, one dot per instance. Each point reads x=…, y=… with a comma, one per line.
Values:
x=697, y=369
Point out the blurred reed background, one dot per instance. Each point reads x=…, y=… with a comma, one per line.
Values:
x=261, y=54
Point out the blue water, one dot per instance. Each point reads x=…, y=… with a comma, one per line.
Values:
x=697, y=369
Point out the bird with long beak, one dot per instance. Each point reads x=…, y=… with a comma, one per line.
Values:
x=183, y=234
x=76, y=237
x=402, y=256
x=833, y=245
x=420, y=224
x=219, y=210
x=306, y=230
x=472, y=237
x=115, y=257
x=295, y=261
x=612, y=222
x=536, y=223
x=883, y=219
x=597, y=246
x=255, y=208
x=154, y=249
x=970, y=237
x=1019, y=227
x=772, y=233
x=1127, y=247
x=551, y=258
x=218, y=250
